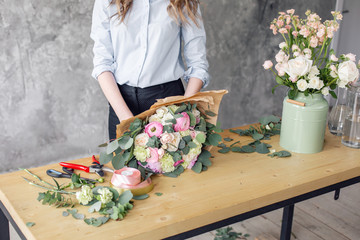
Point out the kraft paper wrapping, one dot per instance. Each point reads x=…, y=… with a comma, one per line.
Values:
x=209, y=100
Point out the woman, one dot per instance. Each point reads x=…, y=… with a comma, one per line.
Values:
x=137, y=53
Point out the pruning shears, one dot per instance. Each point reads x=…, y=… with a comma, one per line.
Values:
x=96, y=167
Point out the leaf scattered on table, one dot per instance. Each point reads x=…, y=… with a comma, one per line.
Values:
x=65, y=213
x=262, y=148
x=30, y=224
x=236, y=149
x=158, y=194
x=79, y=216
x=141, y=197
x=228, y=139
x=95, y=207
x=221, y=145
x=280, y=154
x=224, y=150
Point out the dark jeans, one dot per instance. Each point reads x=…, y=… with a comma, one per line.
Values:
x=141, y=99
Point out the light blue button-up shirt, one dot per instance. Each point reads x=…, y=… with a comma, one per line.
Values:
x=145, y=49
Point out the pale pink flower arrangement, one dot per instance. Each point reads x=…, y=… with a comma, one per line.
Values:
x=304, y=62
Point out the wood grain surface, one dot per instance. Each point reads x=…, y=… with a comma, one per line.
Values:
x=236, y=183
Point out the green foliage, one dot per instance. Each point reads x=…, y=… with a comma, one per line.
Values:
x=126, y=142
x=224, y=150
x=158, y=194
x=153, y=142
x=30, y=224
x=280, y=154
x=228, y=139
x=96, y=222
x=112, y=146
x=141, y=197
x=262, y=148
x=105, y=158
x=210, y=113
x=214, y=139
x=227, y=233
x=54, y=199
x=197, y=167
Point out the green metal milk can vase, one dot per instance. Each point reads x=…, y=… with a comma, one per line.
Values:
x=303, y=127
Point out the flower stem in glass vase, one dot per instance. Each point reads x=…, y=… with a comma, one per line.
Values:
x=337, y=113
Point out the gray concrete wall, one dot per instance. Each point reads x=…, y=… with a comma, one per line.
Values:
x=52, y=110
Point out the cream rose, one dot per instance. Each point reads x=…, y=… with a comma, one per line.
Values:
x=170, y=140
x=348, y=72
x=302, y=85
x=325, y=91
x=314, y=82
x=141, y=139
x=298, y=66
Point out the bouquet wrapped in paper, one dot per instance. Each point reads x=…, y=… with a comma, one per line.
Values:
x=173, y=135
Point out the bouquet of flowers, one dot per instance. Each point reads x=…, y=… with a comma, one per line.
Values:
x=304, y=62
x=174, y=135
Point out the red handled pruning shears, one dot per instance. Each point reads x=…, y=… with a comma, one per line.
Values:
x=96, y=167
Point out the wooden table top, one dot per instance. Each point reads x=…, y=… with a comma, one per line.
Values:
x=236, y=183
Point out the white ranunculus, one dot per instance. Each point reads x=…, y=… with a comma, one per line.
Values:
x=154, y=118
x=161, y=111
x=348, y=71
x=342, y=84
x=298, y=66
x=167, y=116
x=333, y=74
x=302, y=85
x=314, y=82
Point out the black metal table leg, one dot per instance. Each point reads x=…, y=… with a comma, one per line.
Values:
x=337, y=194
x=287, y=222
x=4, y=226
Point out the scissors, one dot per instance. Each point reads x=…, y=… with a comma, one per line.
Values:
x=68, y=173
x=96, y=167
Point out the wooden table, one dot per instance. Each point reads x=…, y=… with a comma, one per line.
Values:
x=236, y=187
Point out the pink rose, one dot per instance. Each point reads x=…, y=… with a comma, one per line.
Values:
x=291, y=11
x=154, y=155
x=154, y=129
x=182, y=123
x=156, y=167
x=192, y=163
x=267, y=64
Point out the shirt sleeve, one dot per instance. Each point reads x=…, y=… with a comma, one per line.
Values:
x=100, y=33
x=194, y=38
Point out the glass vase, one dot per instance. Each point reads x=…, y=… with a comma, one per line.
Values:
x=337, y=113
x=303, y=127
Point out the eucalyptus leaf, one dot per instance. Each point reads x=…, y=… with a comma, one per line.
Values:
x=221, y=145
x=214, y=139
x=236, y=149
x=179, y=170
x=228, y=139
x=168, y=128
x=257, y=136
x=125, y=197
x=176, y=116
x=247, y=149
x=182, y=144
x=124, y=159
x=269, y=119
x=112, y=146
x=224, y=150
x=78, y=216
x=192, y=119
x=192, y=144
x=118, y=162
x=141, y=197
x=210, y=113
x=158, y=194
x=186, y=150
x=197, y=167
x=105, y=158
x=95, y=207
x=182, y=108
x=200, y=137
x=65, y=213
x=30, y=224
x=280, y=154
x=103, y=145
x=262, y=148
x=187, y=138
x=126, y=142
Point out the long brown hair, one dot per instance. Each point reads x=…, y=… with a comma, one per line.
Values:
x=177, y=9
